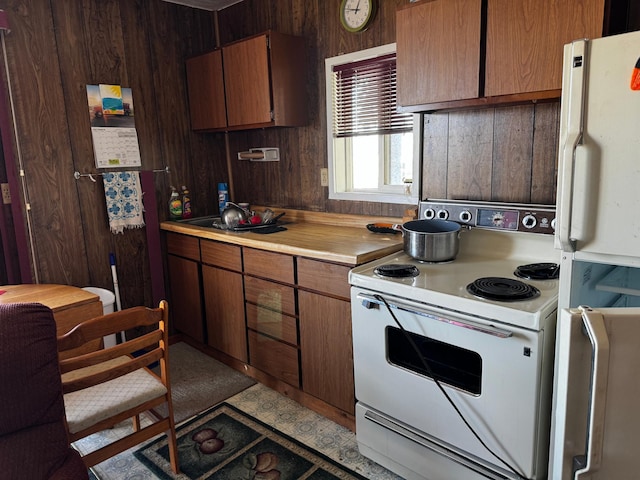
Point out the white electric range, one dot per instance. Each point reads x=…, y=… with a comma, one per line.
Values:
x=425, y=341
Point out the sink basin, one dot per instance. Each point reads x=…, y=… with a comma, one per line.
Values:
x=213, y=221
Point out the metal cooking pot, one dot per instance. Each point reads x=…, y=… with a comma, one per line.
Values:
x=431, y=240
x=232, y=215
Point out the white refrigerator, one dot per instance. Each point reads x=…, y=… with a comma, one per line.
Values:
x=595, y=431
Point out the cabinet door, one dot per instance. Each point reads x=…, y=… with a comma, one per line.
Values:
x=525, y=40
x=326, y=349
x=185, y=306
x=247, y=81
x=205, y=83
x=224, y=304
x=438, y=51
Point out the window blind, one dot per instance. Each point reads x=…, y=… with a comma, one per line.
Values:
x=364, y=99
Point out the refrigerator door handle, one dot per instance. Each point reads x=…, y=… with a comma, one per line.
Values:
x=593, y=322
x=573, y=104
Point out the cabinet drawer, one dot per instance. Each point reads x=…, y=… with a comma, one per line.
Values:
x=183, y=246
x=324, y=277
x=275, y=324
x=270, y=295
x=275, y=358
x=275, y=266
x=221, y=255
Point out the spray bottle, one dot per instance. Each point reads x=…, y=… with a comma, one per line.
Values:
x=186, y=203
x=175, y=205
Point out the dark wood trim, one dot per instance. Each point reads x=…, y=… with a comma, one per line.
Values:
x=486, y=102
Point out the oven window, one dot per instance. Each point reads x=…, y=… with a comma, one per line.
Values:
x=452, y=365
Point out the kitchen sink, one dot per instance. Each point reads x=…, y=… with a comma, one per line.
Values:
x=213, y=221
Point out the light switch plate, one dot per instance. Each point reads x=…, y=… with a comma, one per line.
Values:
x=324, y=177
x=6, y=193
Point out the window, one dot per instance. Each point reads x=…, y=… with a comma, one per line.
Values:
x=373, y=149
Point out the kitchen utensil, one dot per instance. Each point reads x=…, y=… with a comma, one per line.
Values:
x=431, y=240
x=267, y=215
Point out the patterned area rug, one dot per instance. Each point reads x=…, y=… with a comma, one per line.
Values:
x=270, y=408
x=227, y=444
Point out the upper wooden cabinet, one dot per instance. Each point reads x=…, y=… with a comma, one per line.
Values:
x=525, y=41
x=205, y=82
x=443, y=61
x=438, y=51
x=256, y=82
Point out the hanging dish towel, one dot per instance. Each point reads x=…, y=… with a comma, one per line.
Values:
x=124, y=200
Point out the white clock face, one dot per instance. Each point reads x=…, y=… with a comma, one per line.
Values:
x=356, y=13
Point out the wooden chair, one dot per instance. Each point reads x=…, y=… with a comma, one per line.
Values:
x=105, y=387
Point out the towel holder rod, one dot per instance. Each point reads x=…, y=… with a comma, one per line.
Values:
x=77, y=174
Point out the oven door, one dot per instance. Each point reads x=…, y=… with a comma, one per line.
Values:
x=490, y=370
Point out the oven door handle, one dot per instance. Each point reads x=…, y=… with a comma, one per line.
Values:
x=370, y=301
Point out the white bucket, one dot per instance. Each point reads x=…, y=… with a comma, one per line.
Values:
x=108, y=299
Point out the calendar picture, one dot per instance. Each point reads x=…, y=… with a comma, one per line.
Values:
x=111, y=115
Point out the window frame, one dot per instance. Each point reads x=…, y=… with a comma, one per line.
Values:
x=405, y=194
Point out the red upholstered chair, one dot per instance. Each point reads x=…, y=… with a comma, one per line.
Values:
x=33, y=438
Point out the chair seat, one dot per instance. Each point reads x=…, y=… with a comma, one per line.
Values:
x=99, y=402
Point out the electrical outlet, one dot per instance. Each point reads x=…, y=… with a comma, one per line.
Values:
x=6, y=193
x=324, y=177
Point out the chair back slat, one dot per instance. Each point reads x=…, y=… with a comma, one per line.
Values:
x=109, y=324
x=100, y=356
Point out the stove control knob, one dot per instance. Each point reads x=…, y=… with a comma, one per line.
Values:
x=465, y=216
x=553, y=224
x=443, y=214
x=529, y=221
x=429, y=213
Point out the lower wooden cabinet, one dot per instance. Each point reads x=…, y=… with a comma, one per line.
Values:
x=288, y=317
x=185, y=307
x=224, y=307
x=326, y=349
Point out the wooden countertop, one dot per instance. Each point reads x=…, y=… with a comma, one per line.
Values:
x=339, y=238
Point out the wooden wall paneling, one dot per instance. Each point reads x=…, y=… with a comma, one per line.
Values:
x=544, y=170
x=387, y=18
x=140, y=68
x=296, y=181
x=91, y=48
x=434, y=156
x=311, y=153
x=512, y=147
x=247, y=18
x=470, y=155
x=109, y=64
x=206, y=152
x=168, y=84
x=290, y=170
x=44, y=141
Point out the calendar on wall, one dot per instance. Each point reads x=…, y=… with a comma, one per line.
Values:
x=115, y=139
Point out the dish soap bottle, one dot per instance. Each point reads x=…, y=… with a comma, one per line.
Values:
x=175, y=205
x=186, y=203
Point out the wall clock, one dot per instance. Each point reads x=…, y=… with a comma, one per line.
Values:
x=356, y=15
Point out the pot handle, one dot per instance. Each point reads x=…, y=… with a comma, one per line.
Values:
x=385, y=228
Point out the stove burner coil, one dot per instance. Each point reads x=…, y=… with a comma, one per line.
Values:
x=397, y=270
x=538, y=271
x=502, y=289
